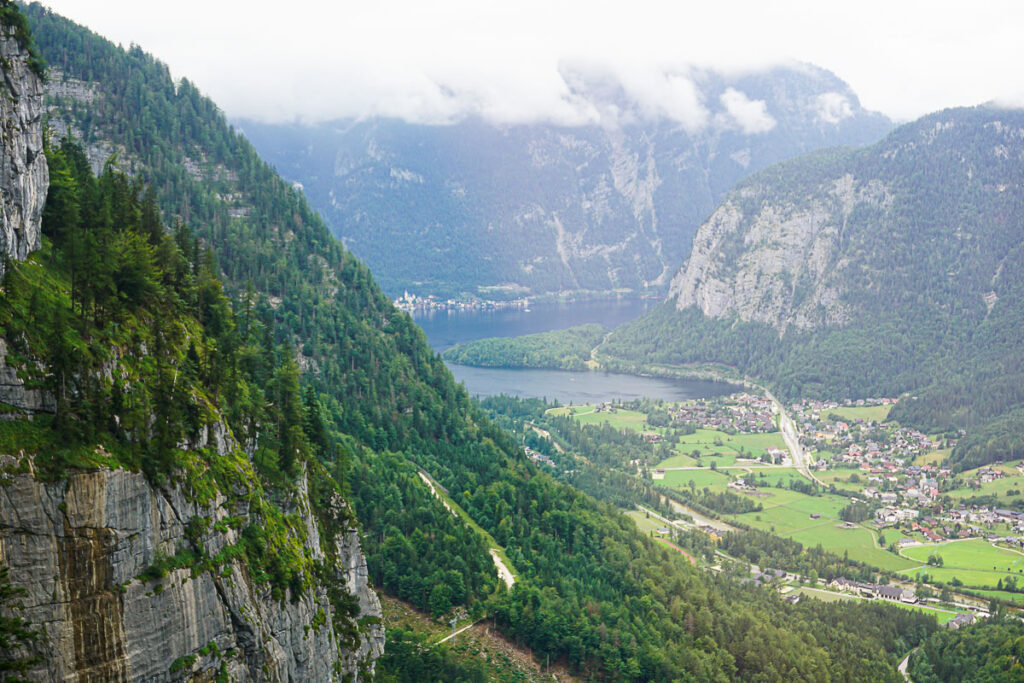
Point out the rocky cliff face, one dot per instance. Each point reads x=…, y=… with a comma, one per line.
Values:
x=763, y=258
x=81, y=547
x=924, y=220
x=23, y=173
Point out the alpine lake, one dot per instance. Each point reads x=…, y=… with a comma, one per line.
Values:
x=449, y=327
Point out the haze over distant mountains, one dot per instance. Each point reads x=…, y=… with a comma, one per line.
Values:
x=612, y=204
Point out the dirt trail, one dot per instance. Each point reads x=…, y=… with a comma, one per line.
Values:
x=503, y=572
x=430, y=485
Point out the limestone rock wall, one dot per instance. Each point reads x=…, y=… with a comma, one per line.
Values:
x=23, y=173
x=764, y=259
x=79, y=545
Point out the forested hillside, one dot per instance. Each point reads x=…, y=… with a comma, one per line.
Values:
x=326, y=376
x=144, y=367
x=872, y=272
x=989, y=651
x=566, y=349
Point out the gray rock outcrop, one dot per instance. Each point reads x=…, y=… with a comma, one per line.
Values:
x=23, y=400
x=23, y=173
x=80, y=547
x=765, y=259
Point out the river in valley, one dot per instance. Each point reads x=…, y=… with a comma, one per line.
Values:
x=447, y=328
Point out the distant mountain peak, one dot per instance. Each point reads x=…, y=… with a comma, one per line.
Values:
x=609, y=203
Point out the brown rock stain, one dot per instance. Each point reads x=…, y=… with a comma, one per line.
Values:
x=94, y=605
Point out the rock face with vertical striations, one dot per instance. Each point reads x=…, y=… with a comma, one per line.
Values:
x=23, y=172
x=780, y=264
x=84, y=547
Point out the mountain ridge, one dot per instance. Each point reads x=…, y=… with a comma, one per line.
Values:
x=877, y=271
x=505, y=211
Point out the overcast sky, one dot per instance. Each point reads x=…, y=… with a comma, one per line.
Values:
x=432, y=60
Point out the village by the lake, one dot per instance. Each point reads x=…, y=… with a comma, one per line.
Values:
x=862, y=487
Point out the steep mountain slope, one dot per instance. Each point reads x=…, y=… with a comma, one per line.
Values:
x=24, y=174
x=506, y=210
x=377, y=405
x=876, y=271
x=148, y=543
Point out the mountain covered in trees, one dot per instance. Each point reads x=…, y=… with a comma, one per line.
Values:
x=610, y=202
x=212, y=401
x=851, y=273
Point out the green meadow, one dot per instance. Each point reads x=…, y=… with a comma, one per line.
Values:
x=701, y=478
x=974, y=562
x=620, y=419
x=788, y=514
x=711, y=441
x=644, y=523
x=854, y=413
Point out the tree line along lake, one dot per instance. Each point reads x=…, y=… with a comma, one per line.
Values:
x=444, y=329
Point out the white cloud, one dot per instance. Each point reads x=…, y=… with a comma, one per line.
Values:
x=435, y=61
x=833, y=107
x=1010, y=101
x=750, y=116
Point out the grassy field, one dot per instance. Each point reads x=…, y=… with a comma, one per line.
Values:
x=788, y=514
x=841, y=480
x=678, y=461
x=876, y=413
x=974, y=562
x=934, y=457
x=727, y=446
x=701, y=478
x=1003, y=595
x=842, y=476
x=775, y=475
x=620, y=419
x=1013, y=481
x=824, y=596
x=644, y=523
x=942, y=615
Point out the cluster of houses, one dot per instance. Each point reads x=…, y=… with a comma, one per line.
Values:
x=965, y=522
x=759, y=578
x=875, y=590
x=894, y=594
x=538, y=457
x=411, y=303
x=740, y=413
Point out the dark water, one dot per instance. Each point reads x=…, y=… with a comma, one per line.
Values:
x=581, y=387
x=444, y=329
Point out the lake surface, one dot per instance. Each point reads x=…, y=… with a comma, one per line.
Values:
x=447, y=328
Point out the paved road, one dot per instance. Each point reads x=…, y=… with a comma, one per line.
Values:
x=801, y=460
